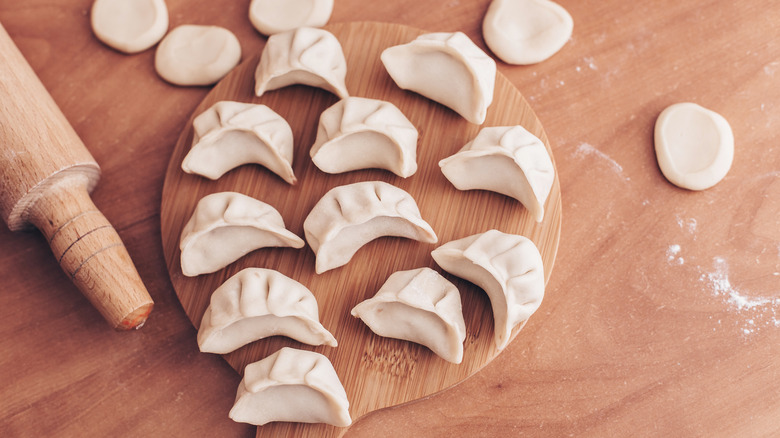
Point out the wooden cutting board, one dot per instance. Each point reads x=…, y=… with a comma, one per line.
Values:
x=376, y=372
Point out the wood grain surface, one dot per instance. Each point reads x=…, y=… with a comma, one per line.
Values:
x=376, y=372
x=635, y=337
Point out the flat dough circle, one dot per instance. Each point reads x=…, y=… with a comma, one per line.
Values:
x=274, y=16
x=130, y=26
x=197, y=55
x=694, y=146
x=526, y=32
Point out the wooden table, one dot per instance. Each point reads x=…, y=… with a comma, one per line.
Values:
x=662, y=317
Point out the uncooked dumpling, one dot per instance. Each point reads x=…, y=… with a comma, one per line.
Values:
x=350, y=216
x=419, y=306
x=507, y=160
x=360, y=133
x=291, y=385
x=507, y=266
x=447, y=68
x=227, y=225
x=129, y=26
x=230, y=134
x=694, y=146
x=197, y=55
x=526, y=31
x=306, y=56
x=274, y=16
x=257, y=303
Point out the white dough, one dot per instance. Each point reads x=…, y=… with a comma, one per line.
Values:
x=197, y=55
x=130, y=26
x=227, y=225
x=291, y=385
x=447, y=68
x=350, y=216
x=507, y=160
x=306, y=56
x=526, y=31
x=694, y=146
x=257, y=303
x=230, y=134
x=419, y=306
x=275, y=16
x=359, y=133
x=508, y=267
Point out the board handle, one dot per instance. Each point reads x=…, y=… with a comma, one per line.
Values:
x=90, y=252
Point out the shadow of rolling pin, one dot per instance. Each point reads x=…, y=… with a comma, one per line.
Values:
x=46, y=175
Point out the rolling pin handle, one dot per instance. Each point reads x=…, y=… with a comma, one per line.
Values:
x=90, y=252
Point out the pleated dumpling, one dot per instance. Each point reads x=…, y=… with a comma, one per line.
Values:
x=360, y=133
x=230, y=134
x=291, y=385
x=448, y=68
x=350, y=216
x=257, y=303
x=227, y=225
x=507, y=266
x=419, y=306
x=307, y=56
x=507, y=160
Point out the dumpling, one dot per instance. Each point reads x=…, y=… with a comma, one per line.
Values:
x=359, y=133
x=307, y=56
x=257, y=303
x=274, y=16
x=227, y=225
x=507, y=266
x=419, y=306
x=507, y=160
x=448, y=68
x=350, y=216
x=230, y=134
x=291, y=385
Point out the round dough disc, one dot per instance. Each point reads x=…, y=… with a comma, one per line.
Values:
x=129, y=26
x=526, y=32
x=197, y=55
x=694, y=146
x=274, y=16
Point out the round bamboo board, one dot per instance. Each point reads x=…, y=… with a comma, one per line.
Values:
x=376, y=372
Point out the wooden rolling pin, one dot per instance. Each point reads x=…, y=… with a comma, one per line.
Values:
x=46, y=175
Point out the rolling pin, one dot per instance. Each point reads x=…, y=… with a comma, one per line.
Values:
x=46, y=177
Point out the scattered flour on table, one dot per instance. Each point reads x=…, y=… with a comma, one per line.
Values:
x=762, y=311
x=759, y=311
x=591, y=62
x=687, y=225
x=586, y=149
x=672, y=255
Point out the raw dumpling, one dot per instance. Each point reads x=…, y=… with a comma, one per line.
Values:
x=448, y=68
x=130, y=26
x=257, y=303
x=507, y=160
x=197, y=55
x=227, y=225
x=694, y=146
x=305, y=56
x=419, y=306
x=525, y=32
x=291, y=385
x=230, y=134
x=350, y=216
x=274, y=16
x=359, y=133
x=507, y=266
